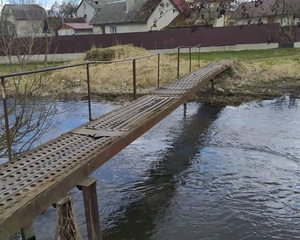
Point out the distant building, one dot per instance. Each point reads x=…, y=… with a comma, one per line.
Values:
x=27, y=19
x=87, y=9
x=136, y=16
x=75, y=29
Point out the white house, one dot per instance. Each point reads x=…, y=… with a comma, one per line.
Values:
x=136, y=16
x=88, y=8
x=75, y=29
x=27, y=19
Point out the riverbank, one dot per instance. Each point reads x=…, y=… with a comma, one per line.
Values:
x=257, y=75
x=255, y=79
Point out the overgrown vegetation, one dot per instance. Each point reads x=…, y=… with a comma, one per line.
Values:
x=257, y=75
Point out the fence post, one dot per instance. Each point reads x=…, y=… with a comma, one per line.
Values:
x=7, y=130
x=178, y=58
x=89, y=91
x=134, y=78
x=158, y=69
x=190, y=55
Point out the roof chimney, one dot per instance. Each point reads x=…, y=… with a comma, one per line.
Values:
x=129, y=5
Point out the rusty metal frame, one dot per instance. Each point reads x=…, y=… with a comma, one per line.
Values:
x=41, y=197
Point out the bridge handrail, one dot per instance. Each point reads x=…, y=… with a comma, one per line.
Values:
x=87, y=63
x=91, y=62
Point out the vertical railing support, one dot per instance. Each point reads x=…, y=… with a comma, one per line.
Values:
x=89, y=90
x=7, y=130
x=134, y=78
x=190, y=56
x=178, y=61
x=158, y=70
x=199, y=56
x=88, y=188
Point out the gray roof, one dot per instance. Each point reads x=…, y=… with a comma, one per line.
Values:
x=25, y=11
x=115, y=12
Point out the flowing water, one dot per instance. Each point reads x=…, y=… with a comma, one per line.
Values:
x=230, y=173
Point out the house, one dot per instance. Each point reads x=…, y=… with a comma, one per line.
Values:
x=88, y=8
x=136, y=15
x=27, y=19
x=286, y=13
x=75, y=29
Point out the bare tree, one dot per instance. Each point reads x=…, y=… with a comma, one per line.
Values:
x=66, y=9
x=30, y=113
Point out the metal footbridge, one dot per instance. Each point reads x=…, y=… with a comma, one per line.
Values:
x=42, y=176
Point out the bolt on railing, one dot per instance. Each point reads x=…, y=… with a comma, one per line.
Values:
x=87, y=64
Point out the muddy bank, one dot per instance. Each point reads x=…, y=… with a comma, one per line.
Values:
x=254, y=81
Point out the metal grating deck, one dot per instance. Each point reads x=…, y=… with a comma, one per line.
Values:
x=39, y=178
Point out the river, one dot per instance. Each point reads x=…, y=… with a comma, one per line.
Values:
x=218, y=173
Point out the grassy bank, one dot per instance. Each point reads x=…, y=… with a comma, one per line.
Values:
x=256, y=75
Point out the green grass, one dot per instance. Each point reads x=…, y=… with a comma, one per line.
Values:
x=244, y=55
x=8, y=68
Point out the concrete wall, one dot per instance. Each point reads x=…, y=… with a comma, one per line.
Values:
x=125, y=28
x=50, y=57
x=64, y=32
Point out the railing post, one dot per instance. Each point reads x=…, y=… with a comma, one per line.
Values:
x=134, y=78
x=7, y=130
x=89, y=91
x=178, y=58
x=190, y=55
x=158, y=69
x=199, y=56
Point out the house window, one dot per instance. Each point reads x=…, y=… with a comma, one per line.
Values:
x=113, y=29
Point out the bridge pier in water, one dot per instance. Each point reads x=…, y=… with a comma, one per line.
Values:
x=89, y=191
x=27, y=232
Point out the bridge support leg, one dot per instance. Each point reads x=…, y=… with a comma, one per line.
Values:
x=212, y=86
x=27, y=232
x=184, y=109
x=88, y=188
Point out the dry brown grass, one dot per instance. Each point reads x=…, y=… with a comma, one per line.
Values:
x=256, y=80
x=116, y=78
x=268, y=77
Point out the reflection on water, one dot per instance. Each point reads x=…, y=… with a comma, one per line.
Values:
x=230, y=173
